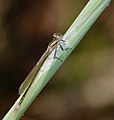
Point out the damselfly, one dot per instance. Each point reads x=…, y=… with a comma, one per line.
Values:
x=57, y=39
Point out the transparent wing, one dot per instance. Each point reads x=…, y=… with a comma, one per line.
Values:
x=31, y=76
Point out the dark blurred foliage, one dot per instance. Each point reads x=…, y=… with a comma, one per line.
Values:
x=83, y=88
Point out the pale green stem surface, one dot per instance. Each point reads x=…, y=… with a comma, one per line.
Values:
x=73, y=36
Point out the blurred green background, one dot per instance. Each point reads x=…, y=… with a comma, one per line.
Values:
x=83, y=88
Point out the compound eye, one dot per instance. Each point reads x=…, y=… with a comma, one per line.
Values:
x=58, y=35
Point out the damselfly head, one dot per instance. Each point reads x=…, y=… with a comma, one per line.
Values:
x=58, y=35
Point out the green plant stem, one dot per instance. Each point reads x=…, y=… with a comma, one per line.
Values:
x=73, y=36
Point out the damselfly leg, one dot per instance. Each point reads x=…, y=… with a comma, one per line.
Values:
x=59, y=38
